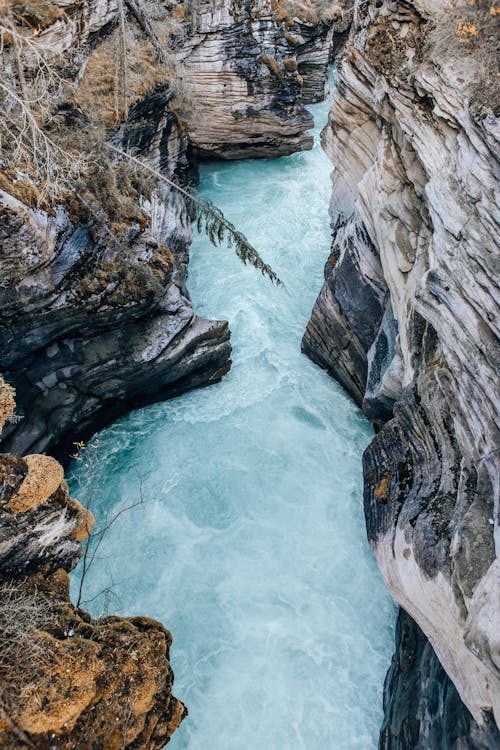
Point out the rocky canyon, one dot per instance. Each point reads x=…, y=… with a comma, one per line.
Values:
x=96, y=319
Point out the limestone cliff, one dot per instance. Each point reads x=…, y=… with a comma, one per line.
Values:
x=68, y=681
x=250, y=67
x=407, y=321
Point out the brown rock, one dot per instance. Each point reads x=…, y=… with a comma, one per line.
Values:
x=77, y=682
x=44, y=476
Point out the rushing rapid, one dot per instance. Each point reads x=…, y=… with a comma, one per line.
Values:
x=250, y=544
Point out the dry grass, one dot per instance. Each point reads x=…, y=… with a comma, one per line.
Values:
x=96, y=93
x=290, y=64
x=127, y=281
x=45, y=159
x=36, y=14
x=22, y=612
x=110, y=191
x=309, y=11
x=271, y=64
x=7, y=402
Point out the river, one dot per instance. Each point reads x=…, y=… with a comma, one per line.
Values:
x=250, y=545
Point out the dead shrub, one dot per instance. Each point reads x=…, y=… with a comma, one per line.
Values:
x=271, y=64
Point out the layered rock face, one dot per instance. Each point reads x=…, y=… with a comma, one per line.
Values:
x=95, y=317
x=243, y=82
x=249, y=68
x=68, y=681
x=316, y=46
x=407, y=321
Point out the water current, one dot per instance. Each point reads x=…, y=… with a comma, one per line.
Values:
x=250, y=545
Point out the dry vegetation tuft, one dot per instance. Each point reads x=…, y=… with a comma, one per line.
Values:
x=7, y=401
x=271, y=64
x=310, y=11
x=96, y=93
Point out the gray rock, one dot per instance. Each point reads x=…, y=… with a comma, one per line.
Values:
x=414, y=145
x=90, y=329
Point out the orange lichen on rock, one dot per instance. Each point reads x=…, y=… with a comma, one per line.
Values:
x=85, y=521
x=381, y=489
x=100, y=683
x=45, y=474
x=68, y=681
x=7, y=402
x=54, y=698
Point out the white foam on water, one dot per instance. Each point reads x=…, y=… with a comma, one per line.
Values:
x=251, y=543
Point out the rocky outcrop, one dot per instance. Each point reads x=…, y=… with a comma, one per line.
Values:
x=95, y=317
x=249, y=67
x=243, y=83
x=68, y=681
x=422, y=707
x=92, y=326
x=316, y=45
x=407, y=321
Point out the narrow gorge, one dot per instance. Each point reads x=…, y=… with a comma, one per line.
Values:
x=234, y=514
x=252, y=544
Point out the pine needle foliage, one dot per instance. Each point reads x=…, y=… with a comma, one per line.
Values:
x=210, y=220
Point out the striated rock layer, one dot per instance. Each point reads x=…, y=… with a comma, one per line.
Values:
x=407, y=321
x=68, y=681
x=243, y=82
x=249, y=68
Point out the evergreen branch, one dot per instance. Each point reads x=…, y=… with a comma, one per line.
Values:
x=211, y=220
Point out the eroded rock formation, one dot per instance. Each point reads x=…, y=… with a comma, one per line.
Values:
x=91, y=327
x=95, y=317
x=68, y=681
x=250, y=67
x=407, y=321
x=245, y=83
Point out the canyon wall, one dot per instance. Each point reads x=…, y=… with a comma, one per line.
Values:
x=250, y=66
x=93, y=325
x=407, y=321
x=244, y=85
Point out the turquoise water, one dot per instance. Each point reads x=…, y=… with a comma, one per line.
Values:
x=251, y=545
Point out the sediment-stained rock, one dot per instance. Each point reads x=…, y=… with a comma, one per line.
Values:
x=408, y=321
